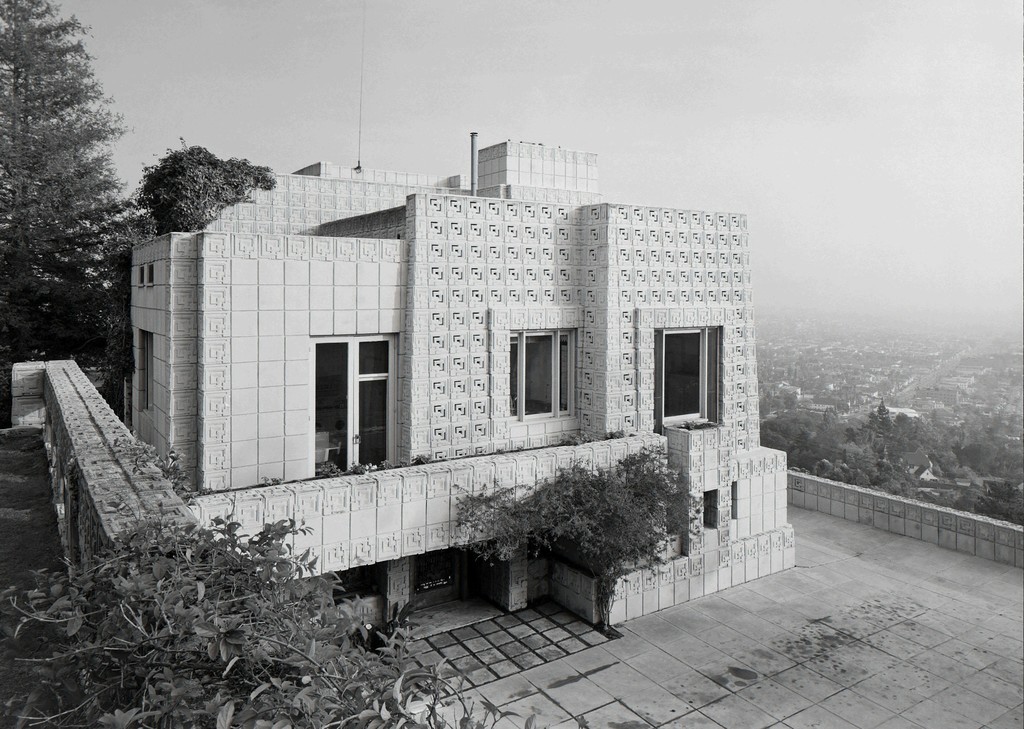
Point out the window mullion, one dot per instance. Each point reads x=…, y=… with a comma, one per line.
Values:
x=352, y=427
x=521, y=385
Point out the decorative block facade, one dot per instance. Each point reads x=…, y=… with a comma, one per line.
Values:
x=396, y=317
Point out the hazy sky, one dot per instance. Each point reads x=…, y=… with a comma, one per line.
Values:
x=876, y=146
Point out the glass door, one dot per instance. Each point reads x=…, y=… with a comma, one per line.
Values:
x=353, y=407
x=331, y=418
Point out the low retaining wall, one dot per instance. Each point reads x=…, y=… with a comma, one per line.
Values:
x=387, y=515
x=960, y=530
x=680, y=579
x=100, y=486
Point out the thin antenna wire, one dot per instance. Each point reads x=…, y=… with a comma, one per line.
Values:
x=362, y=66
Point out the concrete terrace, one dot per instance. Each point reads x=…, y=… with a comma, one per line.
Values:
x=870, y=630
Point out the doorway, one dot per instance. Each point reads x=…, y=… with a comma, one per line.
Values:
x=439, y=577
x=353, y=407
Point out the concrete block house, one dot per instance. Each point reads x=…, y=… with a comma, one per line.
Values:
x=479, y=328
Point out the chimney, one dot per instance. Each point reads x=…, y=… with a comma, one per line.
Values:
x=473, y=165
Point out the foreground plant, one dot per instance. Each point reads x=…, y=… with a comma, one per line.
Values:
x=181, y=626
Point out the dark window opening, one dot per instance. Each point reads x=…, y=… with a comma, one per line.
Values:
x=711, y=509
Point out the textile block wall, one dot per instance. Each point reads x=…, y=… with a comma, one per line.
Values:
x=386, y=515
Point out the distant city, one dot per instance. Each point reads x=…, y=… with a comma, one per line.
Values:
x=954, y=401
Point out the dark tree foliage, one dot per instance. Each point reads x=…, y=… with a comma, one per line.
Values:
x=188, y=187
x=872, y=454
x=59, y=199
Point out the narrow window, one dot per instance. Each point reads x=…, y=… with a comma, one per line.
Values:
x=513, y=377
x=711, y=509
x=563, y=373
x=538, y=375
x=735, y=500
x=145, y=369
x=149, y=273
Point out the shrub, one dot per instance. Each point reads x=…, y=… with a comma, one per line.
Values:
x=182, y=626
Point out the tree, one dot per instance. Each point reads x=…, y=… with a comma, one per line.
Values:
x=58, y=191
x=184, y=191
x=188, y=187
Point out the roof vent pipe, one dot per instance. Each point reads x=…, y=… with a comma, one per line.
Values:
x=473, y=164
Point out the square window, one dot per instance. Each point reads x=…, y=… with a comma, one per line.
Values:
x=686, y=375
x=540, y=373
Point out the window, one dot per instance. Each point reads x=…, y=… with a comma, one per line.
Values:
x=353, y=407
x=144, y=367
x=541, y=373
x=686, y=374
x=711, y=509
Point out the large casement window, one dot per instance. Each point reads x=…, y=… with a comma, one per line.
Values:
x=541, y=374
x=144, y=367
x=354, y=405
x=686, y=375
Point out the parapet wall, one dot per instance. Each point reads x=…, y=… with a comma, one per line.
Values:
x=387, y=515
x=101, y=485
x=981, y=536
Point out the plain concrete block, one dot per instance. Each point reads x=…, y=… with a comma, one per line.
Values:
x=368, y=322
x=244, y=427
x=321, y=273
x=321, y=298
x=244, y=453
x=321, y=323
x=985, y=548
x=345, y=274
x=965, y=543
x=271, y=323
x=271, y=399
x=345, y=322
x=271, y=298
x=296, y=273
x=244, y=324
x=271, y=425
x=271, y=348
x=244, y=272
x=271, y=272
x=650, y=601
x=346, y=297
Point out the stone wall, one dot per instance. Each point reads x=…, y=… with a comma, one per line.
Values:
x=100, y=487
x=951, y=529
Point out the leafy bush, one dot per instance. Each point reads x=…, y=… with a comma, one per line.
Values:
x=188, y=187
x=181, y=626
x=616, y=519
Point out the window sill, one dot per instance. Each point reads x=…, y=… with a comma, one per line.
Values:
x=686, y=423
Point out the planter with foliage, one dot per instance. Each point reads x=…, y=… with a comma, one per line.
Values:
x=616, y=520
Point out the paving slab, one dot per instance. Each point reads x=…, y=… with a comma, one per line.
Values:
x=869, y=631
